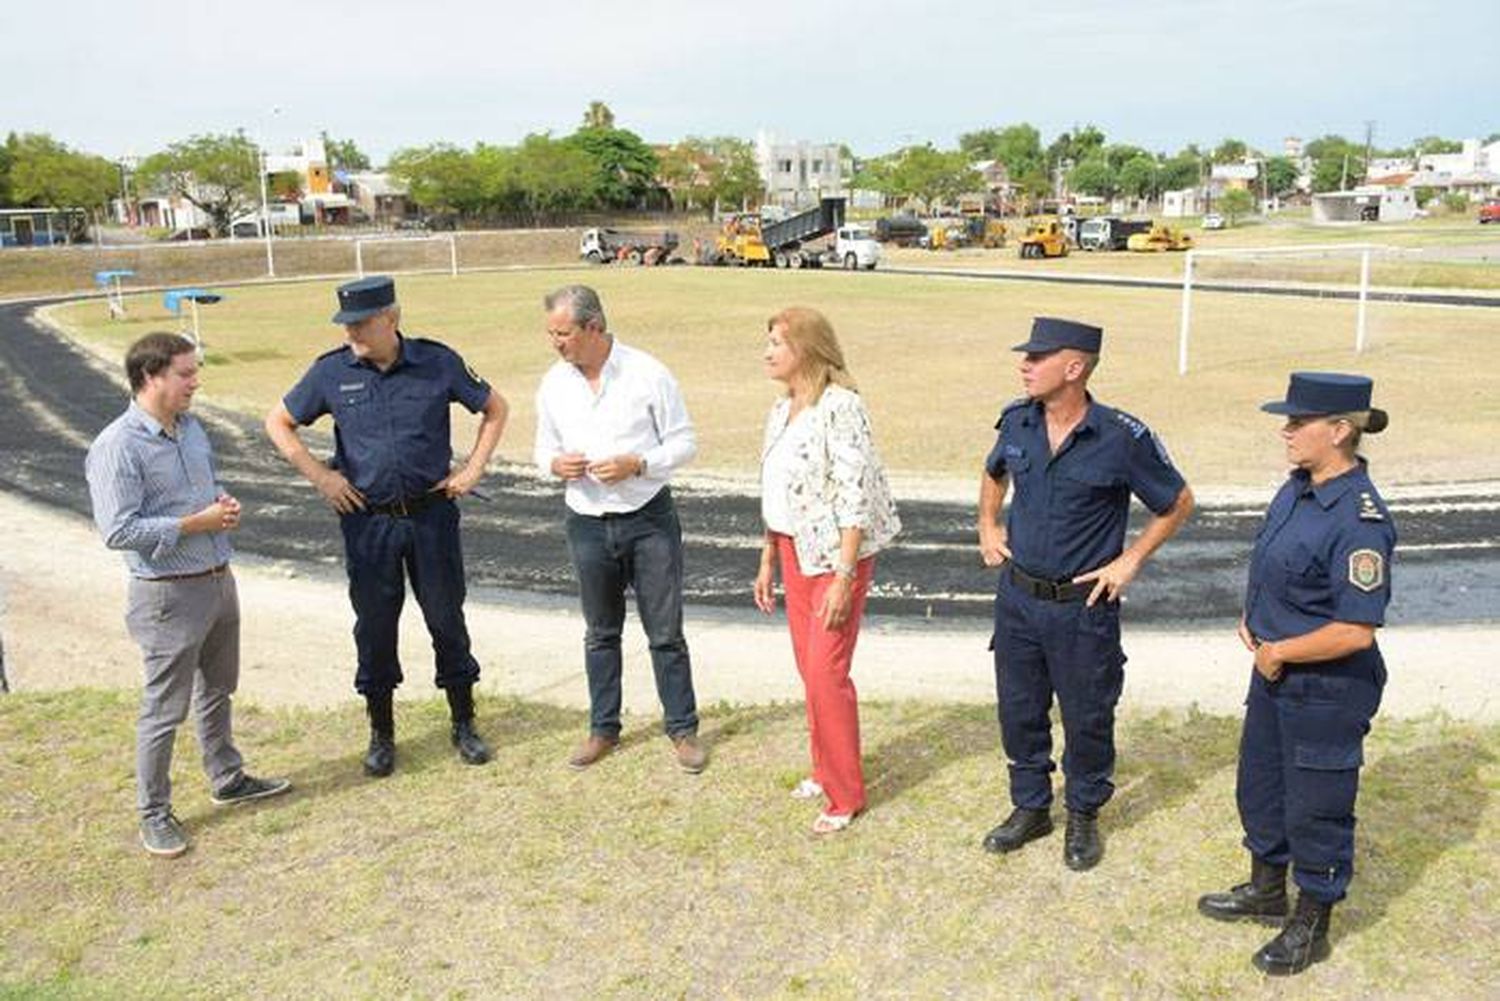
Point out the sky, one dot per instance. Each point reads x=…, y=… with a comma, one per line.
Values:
x=128, y=77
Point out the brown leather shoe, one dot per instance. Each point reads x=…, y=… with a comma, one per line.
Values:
x=591, y=750
x=692, y=757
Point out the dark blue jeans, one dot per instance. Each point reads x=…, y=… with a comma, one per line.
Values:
x=381, y=552
x=641, y=550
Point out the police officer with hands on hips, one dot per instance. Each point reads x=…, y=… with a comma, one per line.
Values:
x=1318, y=589
x=393, y=488
x=1070, y=465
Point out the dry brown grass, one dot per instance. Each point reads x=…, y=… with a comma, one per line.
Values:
x=931, y=356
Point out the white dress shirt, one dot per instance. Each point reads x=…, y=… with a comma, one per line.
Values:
x=638, y=410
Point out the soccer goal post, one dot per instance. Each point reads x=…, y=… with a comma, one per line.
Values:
x=1288, y=279
x=408, y=253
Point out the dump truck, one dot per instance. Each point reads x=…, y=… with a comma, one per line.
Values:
x=902, y=230
x=1045, y=237
x=600, y=246
x=1109, y=232
x=1158, y=238
x=749, y=239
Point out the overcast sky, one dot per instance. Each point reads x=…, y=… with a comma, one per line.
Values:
x=129, y=76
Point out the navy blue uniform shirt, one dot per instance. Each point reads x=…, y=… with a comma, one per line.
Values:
x=1323, y=555
x=1068, y=511
x=392, y=435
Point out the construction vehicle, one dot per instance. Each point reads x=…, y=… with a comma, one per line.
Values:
x=902, y=230
x=969, y=231
x=1045, y=237
x=600, y=246
x=1158, y=238
x=749, y=239
x=1109, y=232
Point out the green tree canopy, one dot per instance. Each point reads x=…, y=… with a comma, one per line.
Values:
x=1337, y=163
x=1093, y=177
x=441, y=178
x=1140, y=177
x=1018, y=146
x=554, y=175
x=1230, y=151
x=624, y=166
x=1280, y=175
x=220, y=174
x=343, y=154
x=1236, y=202
x=1076, y=146
x=47, y=174
x=1185, y=170
x=932, y=175
x=598, y=116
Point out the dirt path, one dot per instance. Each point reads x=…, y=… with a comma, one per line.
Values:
x=62, y=601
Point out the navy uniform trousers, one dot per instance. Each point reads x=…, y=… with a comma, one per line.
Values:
x=381, y=551
x=1300, y=755
x=1068, y=648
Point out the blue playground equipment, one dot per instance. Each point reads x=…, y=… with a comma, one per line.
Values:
x=114, y=293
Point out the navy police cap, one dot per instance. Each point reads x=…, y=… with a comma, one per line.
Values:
x=1315, y=394
x=1048, y=334
x=359, y=300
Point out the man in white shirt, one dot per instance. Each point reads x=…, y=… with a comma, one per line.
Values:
x=612, y=425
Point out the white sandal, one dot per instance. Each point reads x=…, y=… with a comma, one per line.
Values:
x=807, y=789
x=832, y=823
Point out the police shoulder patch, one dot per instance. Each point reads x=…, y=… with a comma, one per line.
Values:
x=1136, y=427
x=1367, y=570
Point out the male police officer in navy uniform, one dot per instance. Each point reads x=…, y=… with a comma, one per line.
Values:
x=391, y=484
x=1318, y=589
x=1074, y=465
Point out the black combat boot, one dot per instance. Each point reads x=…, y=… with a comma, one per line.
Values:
x=380, y=757
x=1303, y=942
x=471, y=747
x=1262, y=899
x=1082, y=848
x=1021, y=826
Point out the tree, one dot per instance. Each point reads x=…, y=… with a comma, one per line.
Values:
x=1093, y=177
x=933, y=175
x=1139, y=177
x=598, y=116
x=1019, y=147
x=284, y=185
x=1230, y=151
x=441, y=178
x=1236, y=202
x=220, y=174
x=624, y=167
x=553, y=175
x=1337, y=163
x=5, y=164
x=1185, y=170
x=1280, y=175
x=1436, y=144
x=47, y=174
x=343, y=154
x=1076, y=146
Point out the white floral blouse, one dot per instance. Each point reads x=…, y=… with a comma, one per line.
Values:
x=834, y=480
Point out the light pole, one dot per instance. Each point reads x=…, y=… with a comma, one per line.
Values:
x=265, y=213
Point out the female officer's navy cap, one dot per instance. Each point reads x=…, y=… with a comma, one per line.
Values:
x=364, y=298
x=1311, y=394
x=1048, y=333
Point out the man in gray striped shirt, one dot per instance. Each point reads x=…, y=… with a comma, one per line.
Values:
x=156, y=497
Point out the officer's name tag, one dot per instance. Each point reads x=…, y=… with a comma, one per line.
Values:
x=351, y=387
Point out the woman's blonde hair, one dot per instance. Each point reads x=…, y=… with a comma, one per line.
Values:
x=811, y=336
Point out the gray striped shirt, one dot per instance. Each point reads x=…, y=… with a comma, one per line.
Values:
x=143, y=481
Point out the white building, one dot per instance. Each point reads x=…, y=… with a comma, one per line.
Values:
x=1372, y=203
x=799, y=174
x=1186, y=202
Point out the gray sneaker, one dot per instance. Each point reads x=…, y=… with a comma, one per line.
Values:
x=247, y=787
x=163, y=836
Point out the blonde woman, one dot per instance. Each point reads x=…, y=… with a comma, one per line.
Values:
x=827, y=510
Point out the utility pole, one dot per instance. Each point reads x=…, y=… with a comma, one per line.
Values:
x=1369, y=145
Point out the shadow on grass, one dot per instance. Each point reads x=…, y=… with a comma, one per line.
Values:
x=1161, y=760
x=1417, y=806
x=950, y=735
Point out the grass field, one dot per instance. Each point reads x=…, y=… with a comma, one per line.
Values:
x=522, y=879
x=931, y=355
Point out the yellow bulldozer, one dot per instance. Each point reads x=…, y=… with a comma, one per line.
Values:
x=1045, y=237
x=1160, y=237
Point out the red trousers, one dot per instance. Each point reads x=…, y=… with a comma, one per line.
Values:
x=823, y=659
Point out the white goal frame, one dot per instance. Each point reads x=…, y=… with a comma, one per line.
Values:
x=449, y=238
x=1364, y=251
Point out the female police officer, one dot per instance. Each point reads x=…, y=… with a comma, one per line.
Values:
x=1319, y=584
